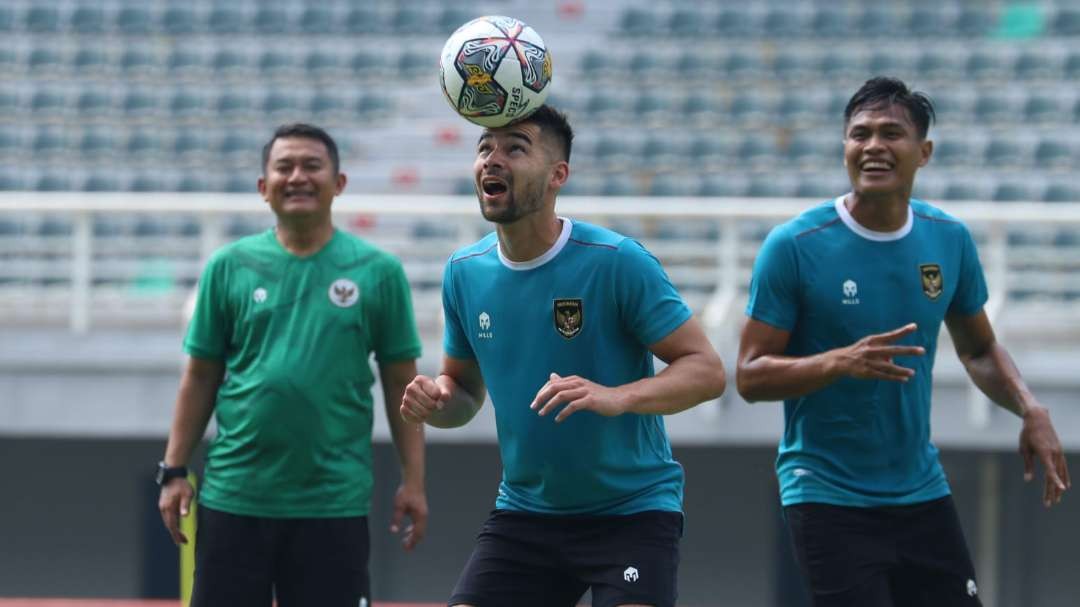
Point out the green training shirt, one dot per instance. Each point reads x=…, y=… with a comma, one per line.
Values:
x=294, y=412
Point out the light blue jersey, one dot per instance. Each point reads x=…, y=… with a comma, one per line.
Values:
x=830, y=282
x=590, y=307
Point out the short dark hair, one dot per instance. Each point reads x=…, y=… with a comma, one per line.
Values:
x=554, y=123
x=305, y=131
x=882, y=92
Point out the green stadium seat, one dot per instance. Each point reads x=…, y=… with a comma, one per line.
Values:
x=271, y=19
x=88, y=20
x=326, y=106
x=96, y=146
x=737, y=23
x=143, y=146
x=699, y=108
x=134, y=20
x=194, y=183
x=611, y=153
x=992, y=108
x=975, y=21
x=601, y=105
x=179, y=19
x=11, y=144
x=955, y=152
x=48, y=103
x=190, y=146
x=783, y=22
x=619, y=185
x=765, y=187
x=1071, y=69
x=839, y=66
x=278, y=104
x=757, y=151
x=793, y=67
x=807, y=150
x=7, y=18
x=322, y=64
x=742, y=65
x=372, y=106
x=1066, y=22
x=651, y=106
x=722, y=186
x=659, y=153
x=43, y=19
x=751, y=107
x=876, y=21
x=821, y=188
x=146, y=183
x=229, y=63
x=237, y=184
x=187, y=62
x=135, y=62
x=187, y=104
x=367, y=64
x=940, y=65
x=597, y=65
x=234, y=105
x=140, y=104
x=667, y=184
x=694, y=65
x=55, y=226
x=964, y=190
x=646, y=64
x=410, y=21
x=712, y=152
x=1005, y=153
x=417, y=64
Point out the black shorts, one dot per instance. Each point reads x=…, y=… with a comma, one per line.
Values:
x=527, y=560
x=898, y=556
x=247, y=561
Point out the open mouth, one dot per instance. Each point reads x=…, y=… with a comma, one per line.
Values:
x=875, y=166
x=493, y=187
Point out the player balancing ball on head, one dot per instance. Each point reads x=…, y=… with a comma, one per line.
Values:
x=495, y=70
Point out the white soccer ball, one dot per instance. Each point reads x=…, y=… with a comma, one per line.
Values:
x=495, y=70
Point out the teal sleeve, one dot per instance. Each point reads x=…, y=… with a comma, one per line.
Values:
x=774, y=285
x=455, y=341
x=394, y=334
x=208, y=332
x=650, y=306
x=971, y=292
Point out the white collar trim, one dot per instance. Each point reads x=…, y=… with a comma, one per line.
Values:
x=547, y=256
x=867, y=233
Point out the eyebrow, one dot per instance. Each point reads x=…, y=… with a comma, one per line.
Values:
x=514, y=134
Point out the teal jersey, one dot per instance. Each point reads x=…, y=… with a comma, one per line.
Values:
x=830, y=282
x=590, y=306
x=294, y=412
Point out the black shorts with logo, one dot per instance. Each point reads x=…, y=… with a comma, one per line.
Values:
x=248, y=561
x=897, y=556
x=533, y=560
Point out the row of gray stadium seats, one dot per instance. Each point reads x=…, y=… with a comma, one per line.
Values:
x=833, y=20
x=181, y=18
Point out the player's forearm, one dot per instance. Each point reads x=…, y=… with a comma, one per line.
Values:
x=688, y=381
x=459, y=408
x=774, y=377
x=408, y=439
x=194, y=405
x=997, y=376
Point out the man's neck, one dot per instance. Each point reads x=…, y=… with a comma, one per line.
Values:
x=880, y=213
x=529, y=237
x=303, y=239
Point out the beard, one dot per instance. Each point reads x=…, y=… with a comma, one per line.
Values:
x=514, y=209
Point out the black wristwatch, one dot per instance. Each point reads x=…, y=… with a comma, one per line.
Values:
x=167, y=473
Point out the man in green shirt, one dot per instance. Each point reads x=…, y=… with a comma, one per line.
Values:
x=283, y=326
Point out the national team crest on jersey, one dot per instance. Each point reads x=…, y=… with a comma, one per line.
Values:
x=568, y=317
x=931, y=280
x=344, y=293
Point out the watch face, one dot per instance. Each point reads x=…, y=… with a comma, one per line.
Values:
x=160, y=476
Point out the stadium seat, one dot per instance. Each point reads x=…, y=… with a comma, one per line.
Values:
x=145, y=183
x=1042, y=109
x=271, y=19
x=317, y=19
x=194, y=183
x=96, y=146
x=234, y=105
x=417, y=64
x=646, y=64
x=187, y=104
x=955, y=152
x=639, y=22
x=1071, y=69
x=279, y=104
x=274, y=64
x=768, y=187
x=619, y=185
x=134, y=20
x=964, y=190
x=1005, y=153
x=667, y=184
x=808, y=150
x=240, y=148
x=975, y=21
x=9, y=61
x=694, y=65
x=363, y=19
x=143, y=146
x=226, y=19
x=751, y=107
x=829, y=22
x=179, y=20
x=1054, y=154
x=229, y=63
x=652, y=107
x=88, y=20
x=939, y=65
x=135, y=62
x=48, y=104
x=700, y=108
x=100, y=183
x=757, y=151
x=45, y=61
x=11, y=144
x=1034, y=65
x=1012, y=191
x=90, y=61
x=190, y=146
x=451, y=18
x=43, y=20
x=687, y=22
x=611, y=153
x=327, y=106
x=876, y=21
x=410, y=20
x=322, y=65
x=187, y=62
x=7, y=18
x=985, y=66
x=929, y=22
x=237, y=184
x=140, y=103
x=994, y=108
x=820, y=187
x=738, y=22
x=659, y=153
x=1061, y=192
x=53, y=182
x=711, y=152
x=742, y=65
x=597, y=65
x=367, y=64
x=55, y=226
x=372, y=106
x=793, y=67
x=839, y=66
x=1067, y=22
x=783, y=22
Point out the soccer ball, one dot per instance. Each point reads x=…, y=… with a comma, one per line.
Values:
x=495, y=70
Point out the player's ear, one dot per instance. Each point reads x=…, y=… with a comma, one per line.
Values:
x=927, y=149
x=261, y=185
x=341, y=180
x=560, y=173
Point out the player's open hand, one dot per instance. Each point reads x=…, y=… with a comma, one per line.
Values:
x=410, y=501
x=872, y=356
x=578, y=394
x=174, y=502
x=423, y=396
x=1039, y=440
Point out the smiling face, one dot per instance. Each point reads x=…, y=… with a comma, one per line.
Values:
x=883, y=150
x=299, y=178
x=513, y=170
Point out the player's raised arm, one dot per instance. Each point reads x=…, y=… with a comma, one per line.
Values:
x=447, y=401
x=764, y=372
x=989, y=365
x=694, y=375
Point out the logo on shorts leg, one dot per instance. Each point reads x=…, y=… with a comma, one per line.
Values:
x=630, y=575
x=972, y=589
